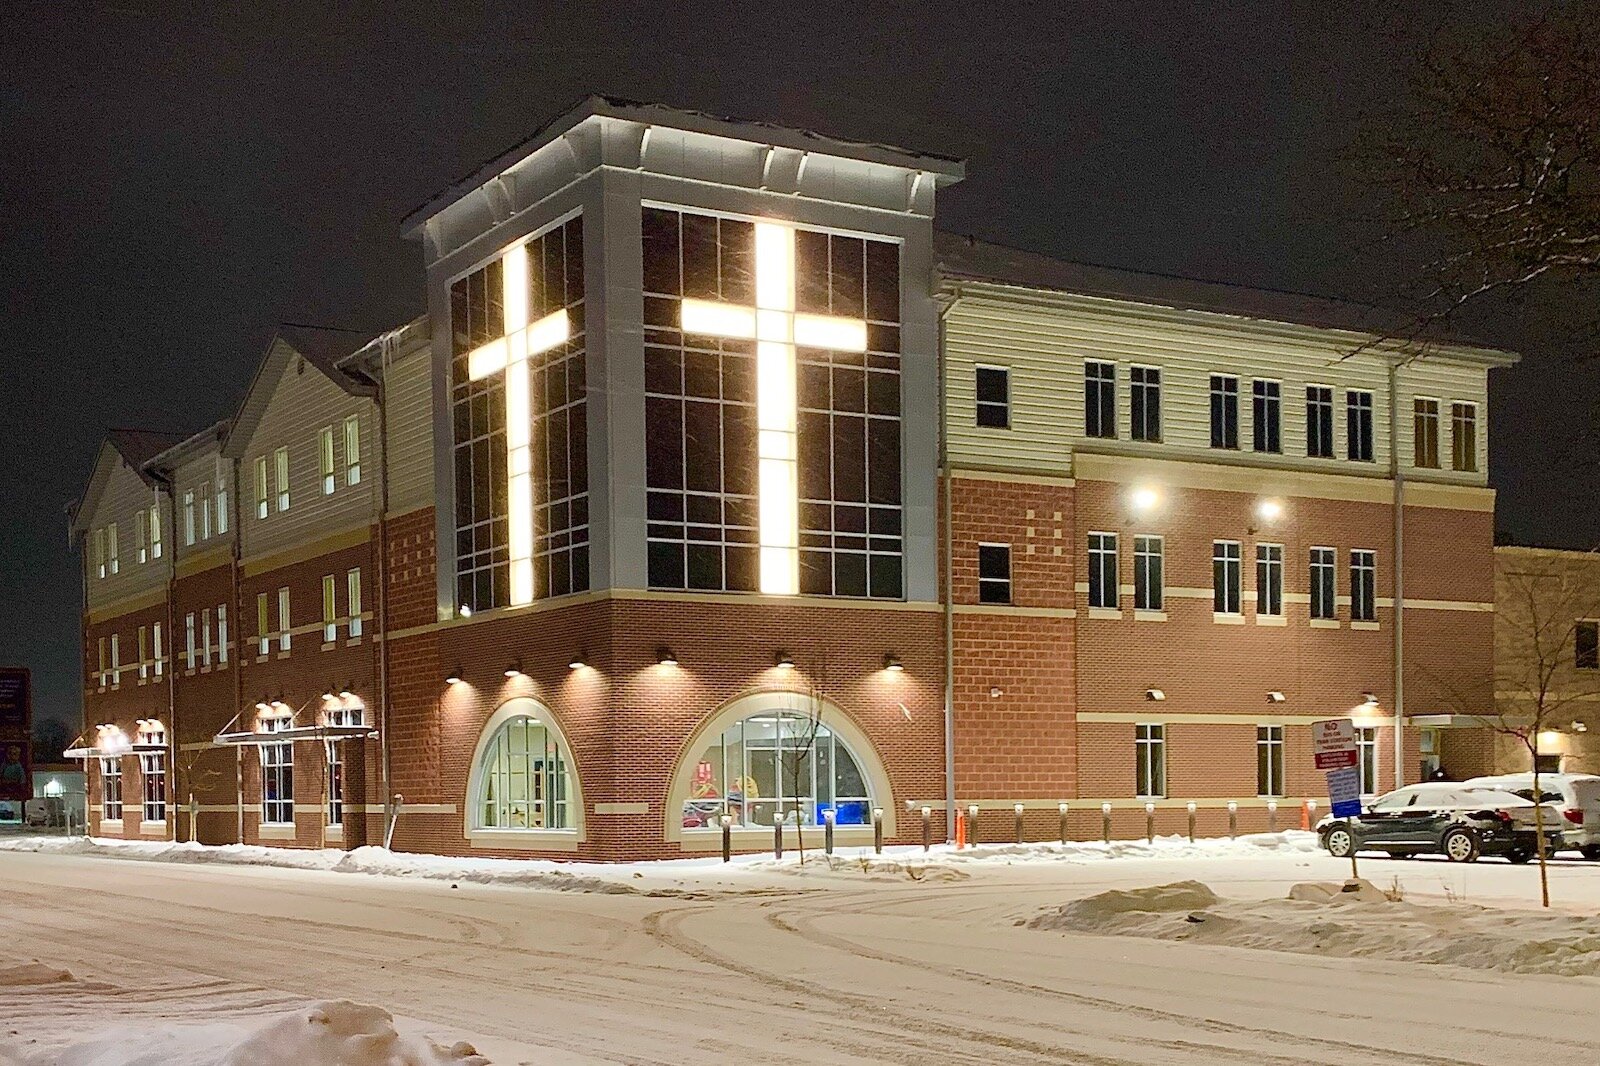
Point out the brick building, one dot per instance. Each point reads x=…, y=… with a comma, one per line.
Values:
x=714, y=483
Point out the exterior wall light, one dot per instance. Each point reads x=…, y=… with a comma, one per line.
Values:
x=515, y=669
x=1145, y=499
x=1269, y=510
x=783, y=660
x=1155, y=695
x=465, y=612
x=1580, y=727
x=664, y=657
x=1369, y=699
x=328, y=693
x=454, y=678
x=1275, y=696
x=348, y=692
x=995, y=692
x=577, y=663
x=892, y=662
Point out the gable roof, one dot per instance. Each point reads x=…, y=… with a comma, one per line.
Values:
x=135, y=448
x=321, y=346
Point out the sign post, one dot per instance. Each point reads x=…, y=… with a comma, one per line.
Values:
x=1334, y=748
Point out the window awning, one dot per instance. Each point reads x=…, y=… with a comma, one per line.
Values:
x=80, y=750
x=253, y=739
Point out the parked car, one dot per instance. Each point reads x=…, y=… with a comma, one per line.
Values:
x=1577, y=795
x=1458, y=821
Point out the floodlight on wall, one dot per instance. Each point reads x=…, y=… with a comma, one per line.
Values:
x=995, y=692
x=1580, y=727
x=783, y=660
x=1275, y=696
x=515, y=669
x=1154, y=694
x=1144, y=499
x=577, y=663
x=328, y=693
x=1369, y=699
x=664, y=657
x=454, y=678
x=892, y=662
x=348, y=692
x=1269, y=510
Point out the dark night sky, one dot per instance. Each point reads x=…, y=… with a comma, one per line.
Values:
x=174, y=184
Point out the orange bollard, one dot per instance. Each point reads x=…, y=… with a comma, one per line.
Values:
x=961, y=831
x=1305, y=815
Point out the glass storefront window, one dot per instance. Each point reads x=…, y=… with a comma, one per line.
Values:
x=770, y=763
x=524, y=779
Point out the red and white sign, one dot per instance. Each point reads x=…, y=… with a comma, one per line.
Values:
x=1333, y=742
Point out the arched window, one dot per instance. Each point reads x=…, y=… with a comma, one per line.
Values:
x=777, y=762
x=524, y=779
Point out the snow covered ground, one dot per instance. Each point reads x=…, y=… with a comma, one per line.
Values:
x=149, y=953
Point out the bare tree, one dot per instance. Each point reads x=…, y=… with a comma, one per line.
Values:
x=799, y=752
x=1491, y=166
x=1539, y=687
x=191, y=777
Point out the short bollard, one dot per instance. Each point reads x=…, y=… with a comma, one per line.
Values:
x=1149, y=823
x=1017, y=810
x=1272, y=816
x=1105, y=822
x=1233, y=820
x=777, y=834
x=972, y=825
x=927, y=828
x=877, y=830
x=727, y=837
x=1191, y=821
x=1310, y=819
x=827, y=831
x=1062, y=808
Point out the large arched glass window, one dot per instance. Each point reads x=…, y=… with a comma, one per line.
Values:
x=777, y=762
x=524, y=779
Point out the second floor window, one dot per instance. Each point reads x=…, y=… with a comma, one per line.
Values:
x=222, y=632
x=112, y=563
x=1269, y=579
x=994, y=573
x=352, y=450
x=155, y=531
x=188, y=517
x=141, y=534
x=1226, y=577
x=352, y=584
x=1147, y=568
x=1099, y=399
x=1425, y=432
x=190, y=642
x=263, y=626
x=1358, y=425
x=204, y=502
x=1146, y=403
x=284, y=626
x=1150, y=749
x=160, y=652
x=1103, y=570
x=1586, y=645
x=330, y=610
x=220, y=505
x=994, y=397
x=280, y=462
x=1266, y=403
x=1464, y=436
x=1363, y=586
x=1319, y=422
x=325, y=459
x=263, y=493
x=1322, y=584
x=1224, y=411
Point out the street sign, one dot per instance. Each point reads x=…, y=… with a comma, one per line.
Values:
x=1333, y=743
x=1344, y=791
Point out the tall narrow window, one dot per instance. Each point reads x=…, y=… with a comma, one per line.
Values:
x=1586, y=645
x=1266, y=402
x=1358, y=425
x=111, y=549
x=1319, y=421
x=1100, y=399
x=204, y=502
x=330, y=610
x=141, y=534
x=1425, y=432
x=1103, y=570
x=1147, y=567
x=221, y=505
x=1322, y=584
x=1226, y=577
x=352, y=450
x=334, y=750
x=352, y=588
x=325, y=459
x=188, y=517
x=1269, y=579
x=1224, y=411
x=205, y=637
x=99, y=539
x=1464, y=436
x=222, y=632
x=277, y=775
x=101, y=674
x=111, y=789
x=1146, y=402
x=263, y=494
x=1150, y=750
x=263, y=627
x=994, y=573
x=153, y=768
x=116, y=660
x=1363, y=586
x=1367, y=760
x=191, y=646
x=144, y=652
x=994, y=397
x=158, y=649
x=155, y=531
x=284, y=625
x=280, y=462
x=1269, y=760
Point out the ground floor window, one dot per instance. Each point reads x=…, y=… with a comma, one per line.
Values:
x=153, y=769
x=1150, y=747
x=1269, y=760
x=1428, y=747
x=334, y=749
x=780, y=762
x=277, y=776
x=1367, y=763
x=524, y=779
x=111, y=789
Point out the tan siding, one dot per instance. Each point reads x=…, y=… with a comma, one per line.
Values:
x=1447, y=383
x=124, y=495
x=195, y=473
x=410, y=396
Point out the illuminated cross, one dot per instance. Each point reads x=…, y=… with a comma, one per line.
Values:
x=511, y=353
x=777, y=330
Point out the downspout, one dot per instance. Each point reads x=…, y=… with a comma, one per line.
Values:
x=1398, y=478
x=238, y=630
x=948, y=593
x=381, y=398
x=168, y=481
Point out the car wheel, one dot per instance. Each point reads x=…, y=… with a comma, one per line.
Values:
x=1340, y=842
x=1460, y=845
x=1519, y=857
x=1590, y=852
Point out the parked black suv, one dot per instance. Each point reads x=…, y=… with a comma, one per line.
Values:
x=1460, y=822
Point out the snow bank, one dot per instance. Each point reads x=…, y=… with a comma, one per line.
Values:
x=1325, y=919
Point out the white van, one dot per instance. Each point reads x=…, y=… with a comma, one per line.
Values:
x=1579, y=799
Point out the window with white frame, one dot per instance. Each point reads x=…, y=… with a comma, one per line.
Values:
x=760, y=768
x=1266, y=401
x=220, y=505
x=263, y=492
x=1367, y=760
x=352, y=450
x=280, y=463
x=1103, y=570
x=116, y=660
x=144, y=652
x=1269, y=760
x=1269, y=579
x=222, y=632
x=1363, y=585
x=111, y=789
x=1224, y=411
x=141, y=534
x=1227, y=572
x=1464, y=436
x=100, y=668
x=277, y=775
x=98, y=539
x=1319, y=422
x=993, y=392
x=525, y=781
x=188, y=517
x=1150, y=754
x=1586, y=644
x=1146, y=403
x=1323, y=601
x=1148, y=564
x=153, y=768
x=155, y=531
x=263, y=626
x=190, y=641
x=1425, y=432
x=1100, y=399
x=325, y=459
x=352, y=589
x=1358, y=425
x=284, y=625
x=111, y=549
x=330, y=610
x=203, y=502
x=994, y=573
x=205, y=637
x=334, y=750
x=157, y=649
